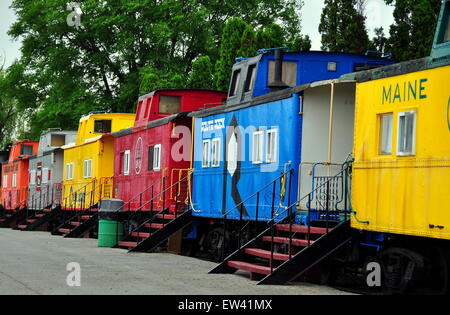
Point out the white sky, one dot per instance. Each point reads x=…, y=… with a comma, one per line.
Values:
x=378, y=14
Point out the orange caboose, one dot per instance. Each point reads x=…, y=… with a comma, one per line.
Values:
x=15, y=175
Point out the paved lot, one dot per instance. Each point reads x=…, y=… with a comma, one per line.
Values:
x=35, y=263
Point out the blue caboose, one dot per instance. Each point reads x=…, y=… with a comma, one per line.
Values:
x=248, y=154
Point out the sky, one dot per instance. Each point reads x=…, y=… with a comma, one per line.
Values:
x=378, y=14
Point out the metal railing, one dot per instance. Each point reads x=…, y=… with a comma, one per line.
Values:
x=162, y=199
x=329, y=205
x=285, y=183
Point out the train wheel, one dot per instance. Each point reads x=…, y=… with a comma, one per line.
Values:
x=401, y=269
x=214, y=243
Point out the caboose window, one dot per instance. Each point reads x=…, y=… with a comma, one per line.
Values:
x=57, y=140
x=5, y=181
x=271, y=147
x=87, y=168
x=14, y=180
x=102, y=126
x=69, y=171
x=385, y=134
x=157, y=158
x=216, y=152
x=26, y=149
x=151, y=153
x=406, y=139
x=250, y=80
x=447, y=30
x=332, y=67
x=126, y=162
x=444, y=32
x=289, y=73
x=235, y=83
x=206, y=153
x=169, y=105
x=257, y=149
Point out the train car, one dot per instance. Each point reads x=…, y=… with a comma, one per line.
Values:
x=4, y=156
x=153, y=158
x=46, y=170
x=392, y=235
x=248, y=153
x=15, y=175
x=89, y=167
x=401, y=172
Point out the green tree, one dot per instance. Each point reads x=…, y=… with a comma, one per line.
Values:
x=118, y=49
x=379, y=41
x=343, y=28
x=232, y=38
x=202, y=74
x=412, y=34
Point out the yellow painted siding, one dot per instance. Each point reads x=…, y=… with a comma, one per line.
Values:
x=80, y=192
x=409, y=194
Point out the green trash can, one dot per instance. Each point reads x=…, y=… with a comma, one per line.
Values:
x=109, y=233
x=110, y=229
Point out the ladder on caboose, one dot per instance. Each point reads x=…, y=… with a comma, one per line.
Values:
x=288, y=248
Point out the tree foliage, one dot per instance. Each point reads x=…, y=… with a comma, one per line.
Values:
x=123, y=47
x=342, y=27
x=412, y=34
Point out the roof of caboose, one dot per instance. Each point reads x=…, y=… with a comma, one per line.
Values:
x=16, y=150
x=151, y=107
x=45, y=144
x=86, y=129
x=251, y=77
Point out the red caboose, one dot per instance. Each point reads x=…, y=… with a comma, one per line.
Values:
x=15, y=175
x=154, y=155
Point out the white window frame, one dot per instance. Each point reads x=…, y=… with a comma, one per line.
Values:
x=413, y=149
x=258, y=157
x=215, y=155
x=271, y=157
x=205, y=162
x=5, y=181
x=69, y=171
x=14, y=180
x=157, y=157
x=126, y=162
x=45, y=175
x=87, y=168
x=332, y=66
x=382, y=136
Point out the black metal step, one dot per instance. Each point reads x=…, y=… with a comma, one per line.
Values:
x=48, y=216
x=84, y=227
x=312, y=255
x=164, y=233
x=12, y=221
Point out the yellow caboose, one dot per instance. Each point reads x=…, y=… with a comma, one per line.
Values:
x=401, y=173
x=89, y=162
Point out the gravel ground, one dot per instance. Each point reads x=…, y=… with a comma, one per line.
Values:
x=36, y=262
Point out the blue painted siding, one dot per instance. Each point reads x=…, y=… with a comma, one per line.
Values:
x=213, y=192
